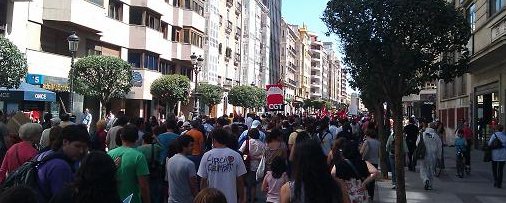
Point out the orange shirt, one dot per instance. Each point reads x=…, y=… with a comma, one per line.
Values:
x=198, y=141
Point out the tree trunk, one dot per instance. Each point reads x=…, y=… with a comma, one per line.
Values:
x=169, y=108
x=103, y=112
x=382, y=136
x=399, y=152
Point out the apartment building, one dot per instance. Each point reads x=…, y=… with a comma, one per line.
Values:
x=318, y=67
x=274, y=7
x=344, y=95
x=334, y=79
x=479, y=96
x=304, y=65
x=156, y=36
x=289, y=61
x=255, y=44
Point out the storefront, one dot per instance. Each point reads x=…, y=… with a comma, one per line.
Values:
x=27, y=98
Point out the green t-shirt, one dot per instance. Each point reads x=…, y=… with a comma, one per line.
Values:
x=133, y=165
x=146, y=150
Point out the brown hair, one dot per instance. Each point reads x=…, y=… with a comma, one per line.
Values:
x=210, y=195
x=101, y=124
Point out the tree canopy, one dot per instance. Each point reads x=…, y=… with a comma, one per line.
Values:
x=210, y=94
x=171, y=89
x=103, y=77
x=247, y=96
x=394, y=47
x=13, y=66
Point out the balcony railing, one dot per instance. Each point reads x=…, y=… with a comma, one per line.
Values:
x=229, y=27
x=292, y=82
x=230, y=3
x=238, y=9
x=237, y=33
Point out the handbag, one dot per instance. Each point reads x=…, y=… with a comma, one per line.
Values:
x=261, y=169
x=420, y=149
x=246, y=157
x=355, y=191
x=496, y=143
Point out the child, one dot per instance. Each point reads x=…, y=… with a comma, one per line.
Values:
x=460, y=142
x=274, y=179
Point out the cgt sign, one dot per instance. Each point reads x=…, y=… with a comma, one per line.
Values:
x=275, y=98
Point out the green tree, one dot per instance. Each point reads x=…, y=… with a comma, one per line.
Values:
x=170, y=89
x=210, y=94
x=103, y=77
x=247, y=96
x=13, y=65
x=401, y=44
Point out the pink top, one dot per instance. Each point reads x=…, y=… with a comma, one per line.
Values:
x=273, y=186
x=16, y=156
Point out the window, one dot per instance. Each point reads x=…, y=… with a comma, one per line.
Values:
x=115, y=10
x=176, y=3
x=471, y=16
x=136, y=16
x=187, y=4
x=198, y=8
x=93, y=48
x=134, y=59
x=496, y=6
x=176, y=34
x=54, y=41
x=165, y=30
x=151, y=61
x=165, y=67
x=97, y=2
x=186, y=36
x=153, y=21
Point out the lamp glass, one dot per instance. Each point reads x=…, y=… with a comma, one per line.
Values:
x=193, y=59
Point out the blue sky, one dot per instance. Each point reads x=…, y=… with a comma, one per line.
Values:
x=310, y=13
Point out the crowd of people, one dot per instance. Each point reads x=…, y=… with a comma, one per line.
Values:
x=225, y=159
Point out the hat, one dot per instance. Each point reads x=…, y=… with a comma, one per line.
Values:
x=186, y=124
x=255, y=124
x=16, y=121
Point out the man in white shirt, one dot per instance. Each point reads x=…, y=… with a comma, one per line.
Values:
x=222, y=168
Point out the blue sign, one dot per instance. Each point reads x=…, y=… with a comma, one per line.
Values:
x=136, y=79
x=39, y=96
x=35, y=79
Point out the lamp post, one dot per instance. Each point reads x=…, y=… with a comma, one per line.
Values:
x=73, y=40
x=197, y=63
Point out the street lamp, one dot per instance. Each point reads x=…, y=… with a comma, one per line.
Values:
x=73, y=40
x=197, y=63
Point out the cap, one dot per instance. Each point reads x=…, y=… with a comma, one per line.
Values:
x=255, y=124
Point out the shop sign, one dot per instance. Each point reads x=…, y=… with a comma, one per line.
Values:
x=34, y=79
x=39, y=96
x=136, y=79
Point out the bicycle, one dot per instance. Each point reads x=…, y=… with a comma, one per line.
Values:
x=460, y=164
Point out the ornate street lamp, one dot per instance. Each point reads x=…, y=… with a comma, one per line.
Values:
x=73, y=40
x=197, y=63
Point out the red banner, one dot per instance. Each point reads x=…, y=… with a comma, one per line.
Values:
x=275, y=97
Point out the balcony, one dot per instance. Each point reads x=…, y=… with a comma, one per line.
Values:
x=292, y=82
x=71, y=11
x=230, y=3
x=142, y=37
x=228, y=84
x=228, y=29
x=184, y=17
x=238, y=9
x=182, y=51
x=237, y=59
x=228, y=54
x=292, y=50
x=237, y=33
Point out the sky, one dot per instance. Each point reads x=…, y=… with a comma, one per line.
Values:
x=310, y=13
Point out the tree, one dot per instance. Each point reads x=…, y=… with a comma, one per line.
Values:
x=402, y=45
x=13, y=65
x=170, y=89
x=247, y=96
x=103, y=77
x=210, y=94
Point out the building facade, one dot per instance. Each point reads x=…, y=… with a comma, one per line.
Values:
x=318, y=67
x=479, y=96
x=156, y=37
x=334, y=79
x=304, y=55
x=274, y=7
x=289, y=63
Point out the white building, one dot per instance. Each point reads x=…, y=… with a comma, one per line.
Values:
x=317, y=68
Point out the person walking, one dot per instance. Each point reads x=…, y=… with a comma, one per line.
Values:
x=181, y=173
x=432, y=154
x=132, y=167
x=252, y=149
x=370, y=152
x=21, y=152
x=111, y=139
x=222, y=168
x=274, y=179
x=498, y=155
x=390, y=146
x=469, y=136
x=411, y=132
x=151, y=151
x=87, y=118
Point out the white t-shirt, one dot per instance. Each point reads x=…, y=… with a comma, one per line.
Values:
x=221, y=167
x=256, y=149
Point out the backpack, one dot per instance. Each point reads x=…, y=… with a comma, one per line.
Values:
x=155, y=167
x=26, y=174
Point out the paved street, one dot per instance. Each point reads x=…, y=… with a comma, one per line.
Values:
x=478, y=187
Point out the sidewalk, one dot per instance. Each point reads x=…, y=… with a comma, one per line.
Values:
x=475, y=188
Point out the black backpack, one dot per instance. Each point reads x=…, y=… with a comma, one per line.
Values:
x=26, y=174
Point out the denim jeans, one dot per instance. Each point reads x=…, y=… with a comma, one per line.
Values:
x=391, y=159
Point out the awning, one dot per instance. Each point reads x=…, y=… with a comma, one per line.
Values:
x=27, y=92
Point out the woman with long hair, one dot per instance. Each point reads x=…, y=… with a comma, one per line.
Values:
x=95, y=181
x=275, y=148
x=312, y=181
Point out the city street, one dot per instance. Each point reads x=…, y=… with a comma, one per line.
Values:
x=478, y=187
